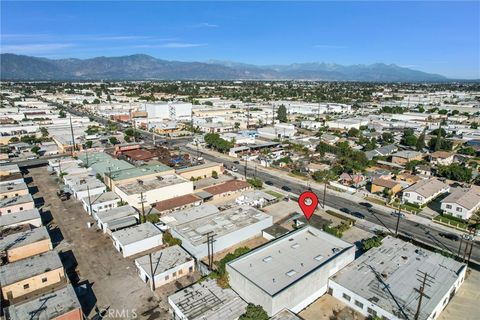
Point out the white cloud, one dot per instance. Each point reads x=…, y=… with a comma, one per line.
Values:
x=207, y=25
x=329, y=46
x=34, y=48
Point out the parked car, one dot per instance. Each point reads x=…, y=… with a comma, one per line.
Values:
x=358, y=215
x=366, y=204
x=450, y=236
x=398, y=214
x=234, y=169
x=346, y=210
x=286, y=188
x=236, y=162
x=269, y=183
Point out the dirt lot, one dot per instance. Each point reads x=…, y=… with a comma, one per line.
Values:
x=328, y=308
x=113, y=279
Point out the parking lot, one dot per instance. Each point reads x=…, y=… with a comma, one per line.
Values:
x=117, y=289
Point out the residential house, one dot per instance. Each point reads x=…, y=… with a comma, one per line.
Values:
x=462, y=202
x=404, y=157
x=379, y=185
x=424, y=191
x=442, y=158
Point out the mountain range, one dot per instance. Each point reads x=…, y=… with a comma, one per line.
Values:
x=145, y=67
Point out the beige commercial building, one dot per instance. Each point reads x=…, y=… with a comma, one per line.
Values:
x=25, y=244
x=201, y=171
x=26, y=276
x=16, y=204
x=12, y=190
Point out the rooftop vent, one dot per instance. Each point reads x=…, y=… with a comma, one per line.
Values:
x=319, y=257
x=295, y=246
x=291, y=273
x=267, y=259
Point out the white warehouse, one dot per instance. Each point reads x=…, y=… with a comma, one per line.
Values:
x=289, y=272
x=383, y=282
x=140, y=238
x=180, y=110
x=229, y=227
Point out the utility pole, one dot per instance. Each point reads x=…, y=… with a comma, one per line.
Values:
x=210, y=242
x=245, y=167
x=151, y=272
x=110, y=176
x=398, y=221
x=89, y=200
x=248, y=116
x=324, y=192
x=426, y=280
x=142, y=201
x=86, y=154
x=73, y=149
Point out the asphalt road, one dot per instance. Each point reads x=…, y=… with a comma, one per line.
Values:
x=426, y=234
x=423, y=233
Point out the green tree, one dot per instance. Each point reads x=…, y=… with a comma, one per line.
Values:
x=44, y=132
x=387, y=137
x=35, y=149
x=256, y=183
x=455, y=171
x=372, y=242
x=89, y=144
x=353, y=132
x=171, y=240
x=214, y=174
x=420, y=142
x=408, y=138
x=62, y=114
x=282, y=113
x=474, y=125
x=13, y=140
x=113, y=140
x=254, y=312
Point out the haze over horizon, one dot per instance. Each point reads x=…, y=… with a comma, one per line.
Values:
x=347, y=33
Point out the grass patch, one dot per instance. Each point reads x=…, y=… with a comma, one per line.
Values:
x=410, y=208
x=452, y=221
x=274, y=194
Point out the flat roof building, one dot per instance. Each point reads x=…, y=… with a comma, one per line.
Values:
x=117, y=218
x=11, y=190
x=26, y=217
x=25, y=276
x=16, y=204
x=139, y=238
x=114, y=178
x=100, y=202
x=383, y=282
x=25, y=244
x=228, y=227
x=206, y=300
x=167, y=264
x=289, y=272
x=60, y=304
x=154, y=189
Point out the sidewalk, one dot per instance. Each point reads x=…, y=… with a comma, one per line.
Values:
x=352, y=197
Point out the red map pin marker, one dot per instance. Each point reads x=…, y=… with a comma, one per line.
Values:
x=308, y=202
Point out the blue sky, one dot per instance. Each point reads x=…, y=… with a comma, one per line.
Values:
x=432, y=36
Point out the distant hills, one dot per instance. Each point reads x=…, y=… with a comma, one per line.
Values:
x=144, y=67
